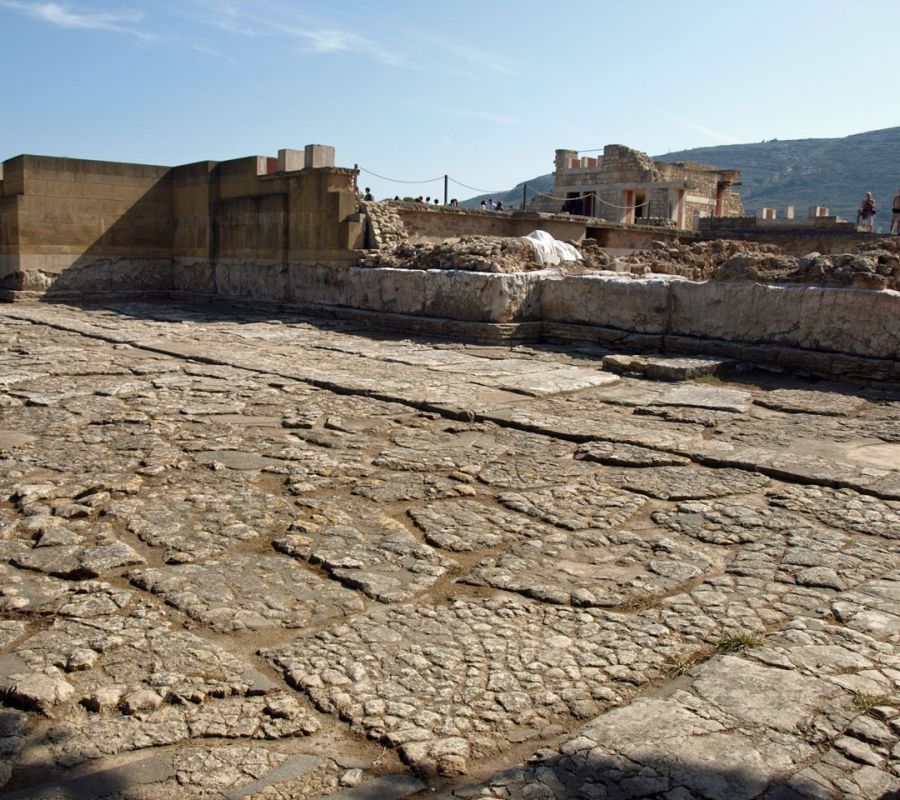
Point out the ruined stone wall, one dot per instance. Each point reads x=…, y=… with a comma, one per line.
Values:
x=385, y=226
x=795, y=237
x=425, y=224
x=823, y=330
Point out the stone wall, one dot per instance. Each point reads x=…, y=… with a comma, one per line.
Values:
x=793, y=236
x=425, y=224
x=55, y=211
x=815, y=329
x=89, y=219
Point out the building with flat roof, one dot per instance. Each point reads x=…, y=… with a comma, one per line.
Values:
x=628, y=187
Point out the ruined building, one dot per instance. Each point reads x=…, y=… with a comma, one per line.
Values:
x=627, y=186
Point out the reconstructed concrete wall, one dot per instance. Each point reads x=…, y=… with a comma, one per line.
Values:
x=56, y=211
x=70, y=225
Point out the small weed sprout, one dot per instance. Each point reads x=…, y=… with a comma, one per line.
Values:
x=738, y=643
x=862, y=701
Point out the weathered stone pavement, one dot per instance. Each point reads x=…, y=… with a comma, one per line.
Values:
x=246, y=557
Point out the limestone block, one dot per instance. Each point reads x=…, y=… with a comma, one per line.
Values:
x=399, y=291
x=194, y=276
x=291, y=160
x=318, y=155
x=483, y=296
x=321, y=284
x=257, y=280
x=101, y=275
x=855, y=321
x=610, y=301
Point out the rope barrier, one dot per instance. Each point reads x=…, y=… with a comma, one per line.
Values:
x=475, y=188
x=598, y=199
x=535, y=192
x=397, y=180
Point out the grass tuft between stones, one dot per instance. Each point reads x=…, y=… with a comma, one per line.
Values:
x=729, y=644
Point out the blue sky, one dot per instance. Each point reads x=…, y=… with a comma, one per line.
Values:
x=484, y=91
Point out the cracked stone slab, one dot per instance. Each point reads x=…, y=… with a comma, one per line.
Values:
x=77, y=561
x=627, y=455
x=85, y=737
x=686, y=483
x=119, y=681
x=9, y=440
x=554, y=381
x=523, y=474
x=465, y=525
x=842, y=508
x=713, y=398
x=806, y=401
x=448, y=684
x=730, y=521
x=10, y=630
x=684, y=746
x=578, y=505
x=432, y=460
x=193, y=526
x=873, y=609
x=815, y=558
x=249, y=592
x=592, y=568
x=235, y=459
x=688, y=416
x=366, y=550
x=22, y=590
x=412, y=486
x=792, y=726
x=661, y=368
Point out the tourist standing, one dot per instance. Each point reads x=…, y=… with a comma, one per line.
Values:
x=867, y=211
x=895, y=214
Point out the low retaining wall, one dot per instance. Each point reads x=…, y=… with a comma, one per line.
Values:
x=814, y=329
x=822, y=330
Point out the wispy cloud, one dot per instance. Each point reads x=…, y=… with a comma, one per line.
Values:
x=283, y=22
x=710, y=133
x=197, y=47
x=64, y=17
x=332, y=40
x=464, y=55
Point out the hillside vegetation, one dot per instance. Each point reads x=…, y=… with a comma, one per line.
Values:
x=801, y=172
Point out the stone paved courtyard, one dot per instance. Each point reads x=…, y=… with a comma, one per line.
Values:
x=254, y=557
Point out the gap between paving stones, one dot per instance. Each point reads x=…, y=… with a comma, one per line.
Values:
x=449, y=412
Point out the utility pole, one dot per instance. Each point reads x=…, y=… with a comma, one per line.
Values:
x=524, y=196
x=445, y=190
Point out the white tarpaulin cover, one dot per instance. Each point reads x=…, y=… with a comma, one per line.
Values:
x=550, y=251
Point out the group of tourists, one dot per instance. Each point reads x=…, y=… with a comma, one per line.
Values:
x=491, y=205
x=865, y=217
